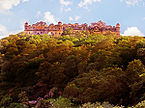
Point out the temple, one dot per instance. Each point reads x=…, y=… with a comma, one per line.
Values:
x=57, y=30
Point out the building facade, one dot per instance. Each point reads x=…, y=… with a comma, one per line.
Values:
x=57, y=30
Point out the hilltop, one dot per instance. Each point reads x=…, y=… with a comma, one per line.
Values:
x=72, y=70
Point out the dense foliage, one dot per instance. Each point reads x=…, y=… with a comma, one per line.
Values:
x=73, y=70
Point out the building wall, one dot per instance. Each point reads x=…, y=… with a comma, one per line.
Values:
x=57, y=30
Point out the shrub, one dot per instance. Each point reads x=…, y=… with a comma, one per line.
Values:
x=61, y=103
x=16, y=105
x=5, y=101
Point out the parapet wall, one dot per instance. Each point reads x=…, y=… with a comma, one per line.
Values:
x=57, y=30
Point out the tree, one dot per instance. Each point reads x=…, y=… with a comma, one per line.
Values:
x=68, y=31
x=95, y=86
x=134, y=70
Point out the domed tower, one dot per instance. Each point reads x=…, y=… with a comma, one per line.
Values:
x=118, y=29
x=60, y=23
x=26, y=26
x=60, y=26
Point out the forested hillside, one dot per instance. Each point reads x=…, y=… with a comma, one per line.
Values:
x=73, y=70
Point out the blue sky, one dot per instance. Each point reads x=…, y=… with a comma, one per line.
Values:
x=129, y=13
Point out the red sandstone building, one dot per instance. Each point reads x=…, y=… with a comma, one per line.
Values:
x=57, y=30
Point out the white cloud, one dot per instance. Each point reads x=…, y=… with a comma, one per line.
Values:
x=133, y=31
x=6, y=5
x=9, y=33
x=76, y=18
x=85, y=3
x=133, y=2
x=64, y=9
x=16, y=31
x=25, y=0
x=38, y=15
x=3, y=30
x=48, y=17
x=67, y=9
x=65, y=3
x=70, y=18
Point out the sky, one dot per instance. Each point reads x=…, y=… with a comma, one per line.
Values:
x=129, y=13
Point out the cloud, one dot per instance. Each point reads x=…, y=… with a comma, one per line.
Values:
x=133, y=31
x=25, y=0
x=85, y=3
x=76, y=18
x=64, y=9
x=3, y=30
x=6, y=5
x=48, y=17
x=67, y=9
x=5, y=33
x=9, y=33
x=65, y=3
x=133, y=2
x=38, y=15
x=70, y=18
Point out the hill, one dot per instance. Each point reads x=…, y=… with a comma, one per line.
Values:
x=72, y=70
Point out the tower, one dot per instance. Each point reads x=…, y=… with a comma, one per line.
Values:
x=60, y=26
x=60, y=23
x=26, y=26
x=118, y=29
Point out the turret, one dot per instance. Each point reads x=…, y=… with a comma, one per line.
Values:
x=60, y=23
x=26, y=26
x=118, y=29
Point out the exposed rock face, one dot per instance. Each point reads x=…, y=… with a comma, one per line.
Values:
x=57, y=30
